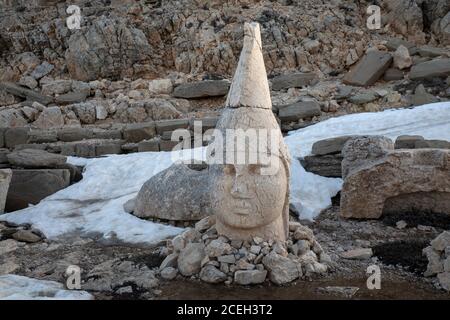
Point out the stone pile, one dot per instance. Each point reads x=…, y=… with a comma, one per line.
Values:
x=200, y=253
x=438, y=255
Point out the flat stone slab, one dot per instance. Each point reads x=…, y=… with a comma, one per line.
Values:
x=299, y=110
x=369, y=69
x=71, y=97
x=25, y=93
x=202, y=89
x=430, y=69
x=32, y=185
x=330, y=146
x=294, y=80
x=33, y=158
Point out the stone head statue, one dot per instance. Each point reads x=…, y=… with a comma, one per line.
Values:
x=250, y=187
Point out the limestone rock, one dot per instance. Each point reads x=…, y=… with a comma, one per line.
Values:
x=430, y=69
x=371, y=67
x=248, y=277
x=169, y=273
x=299, y=110
x=357, y=254
x=170, y=195
x=441, y=242
x=330, y=146
x=282, y=270
x=211, y=274
x=326, y=166
x=375, y=176
x=407, y=142
x=160, y=86
x=421, y=96
x=139, y=131
x=30, y=95
x=189, y=260
x=202, y=89
x=293, y=80
x=50, y=118
x=402, y=59
x=5, y=179
x=31, y=186
x=32, y=158
x=26, y=236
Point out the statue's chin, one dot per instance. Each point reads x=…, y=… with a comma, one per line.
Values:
x=234, y=220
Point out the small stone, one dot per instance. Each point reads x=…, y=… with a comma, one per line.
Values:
x=281, y=269
x=211, y=274
x=357, y=254
x=227, y=258
x=242, y=264
x=435, y=264
x=247, y=277
x=205, y=223
x=169, y=273
x=441, y=242
x=301, y=247
x=402, y=59
x=304, y=233
x=8, y=245
x=169, y=261
x=447, y=265
x=444, y=280
x=190, y=258
x=401, y=224
x=218, y=248
x=255, y=249
x=258, y=240
x=237, y=244
x=26, y=236
x=178, y=243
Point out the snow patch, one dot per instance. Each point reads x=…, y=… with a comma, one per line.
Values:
x=14, y=287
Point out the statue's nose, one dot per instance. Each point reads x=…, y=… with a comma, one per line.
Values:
x=240, y=188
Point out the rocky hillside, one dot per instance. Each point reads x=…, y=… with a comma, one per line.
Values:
x=154, y=38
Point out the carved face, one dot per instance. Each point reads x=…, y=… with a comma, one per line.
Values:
x=244, y=198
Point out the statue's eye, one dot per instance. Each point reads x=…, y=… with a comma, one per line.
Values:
x=229, y=169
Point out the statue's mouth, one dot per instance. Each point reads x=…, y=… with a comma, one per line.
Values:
x=242, y=208
x=242, y=211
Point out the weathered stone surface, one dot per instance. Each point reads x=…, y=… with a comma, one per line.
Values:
x=430, y=69
x=428, y=51
x=85, y=112
x=201, y=89
x=16, y=136
x=299, y=110
x=377, y=174
x=71, y=97
x=92, y=148
x=50, y=118
x=393, y=74
x=326, y=166
x=357, y=254
x=31, y=186
x=330, y=146
x=26, y=236
x=169, y=273
x=407, y=142
x=5, y=179
x=358, y=150
x=171, y=125
x=402, y=59
x=42, y=70
x=160, y=86
x=139, y=131
x=190, y=258
x=74, y=134
x=170, y=195
x=282, y=270
x=32, y=158
x=56, y=87
x=421, y=96
x=247, y=277
x=293, y=80
x=25, y=93
x=211, y=274
x=441, y=242
x=149, y=145
x=440, y=144
x=363, y=97
x=369, y=69
x=42, y=136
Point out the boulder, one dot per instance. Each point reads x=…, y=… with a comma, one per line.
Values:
x=330, y=146
x=371, y=67
x=137, y=132
x=377, y=177
x=50, y=118
x=169, y=195
x=282, y=270
x=31, y=186
x=299, y=110
x=430, y=69
x=402, y=59
x=326, y=166
x=211, y=274
x=28, y=94
x=190, y=259
x=33, y=158
x=293, y=80
x=247, y=277
x=5, y=179
x=202, y=89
